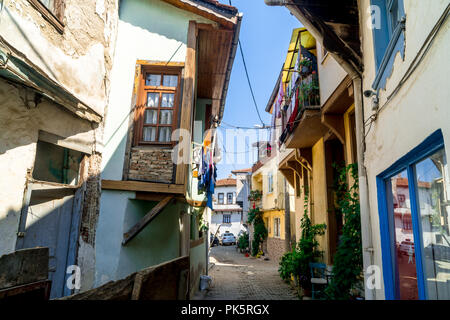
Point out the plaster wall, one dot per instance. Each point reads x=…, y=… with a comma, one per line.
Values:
x=157, y=242
x=319, y=196
x=80, y=58
x=331, y=74
x=19, y=131
x=418, y=109
x=234, y=227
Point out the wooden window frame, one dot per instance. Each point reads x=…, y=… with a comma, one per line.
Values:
x=142, y=104
x=54, y=18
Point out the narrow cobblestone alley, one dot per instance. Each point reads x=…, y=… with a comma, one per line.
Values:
x=236, y=277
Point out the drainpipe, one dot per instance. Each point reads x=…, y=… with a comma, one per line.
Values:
x=366, y=224
x=354, y=73
x=287, y=217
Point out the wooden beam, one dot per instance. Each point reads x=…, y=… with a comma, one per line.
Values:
x=187, y=107
x=127, y=236
x=336, y=125
x=143, y=186
x=160, y=63
x=37, y=290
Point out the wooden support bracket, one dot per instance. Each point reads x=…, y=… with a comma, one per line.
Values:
x=146, y=220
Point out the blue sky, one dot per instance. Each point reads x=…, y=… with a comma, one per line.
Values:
x=265, y=35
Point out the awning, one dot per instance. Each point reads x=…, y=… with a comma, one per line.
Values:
x=307, y=41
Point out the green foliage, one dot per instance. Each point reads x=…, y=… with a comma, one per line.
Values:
x=306, y=251
x=255, y=195
x=259, y=229
x=243, y=241
x=348, y=263
x=286, y=269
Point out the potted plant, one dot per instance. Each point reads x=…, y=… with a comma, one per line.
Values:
x=305, y=66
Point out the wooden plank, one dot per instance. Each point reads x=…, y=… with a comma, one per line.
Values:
x=36, y=290
x=119, y=290
x=143, y=186
x=132, y=123
x=162, y=282
x=146, y=220
x=166, y=281
x=187, y=107
x=160, y=63
x=23, y=267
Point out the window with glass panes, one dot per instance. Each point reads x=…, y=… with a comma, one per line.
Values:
x=157, y=115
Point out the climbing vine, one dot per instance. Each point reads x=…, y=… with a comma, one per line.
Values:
x=303, y=253
x=348, y=263
x=255, y=217
x=259, y=229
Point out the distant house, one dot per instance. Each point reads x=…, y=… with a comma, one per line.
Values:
x=227, y=215
x=243, y=181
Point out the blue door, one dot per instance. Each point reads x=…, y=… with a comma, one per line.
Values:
x=46, y=222
x=414, y=208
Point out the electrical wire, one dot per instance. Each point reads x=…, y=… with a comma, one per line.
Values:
x=412, y=67
x=248, y=79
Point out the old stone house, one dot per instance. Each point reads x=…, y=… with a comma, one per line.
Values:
x=93, y=95
x=169, y=83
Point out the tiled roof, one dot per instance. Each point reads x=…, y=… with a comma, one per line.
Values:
x=226, y=182
x=218, y=5
x=249, y=170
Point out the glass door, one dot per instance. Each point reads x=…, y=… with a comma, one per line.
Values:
x=418, y=222
x=432, y=188
x=404, y=257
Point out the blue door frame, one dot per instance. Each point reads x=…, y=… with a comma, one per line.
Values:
x=429, y=146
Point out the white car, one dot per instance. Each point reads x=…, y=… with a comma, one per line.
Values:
x=228, y=238
x=406, y=247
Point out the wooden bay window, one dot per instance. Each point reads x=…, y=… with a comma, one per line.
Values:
x=156, y=114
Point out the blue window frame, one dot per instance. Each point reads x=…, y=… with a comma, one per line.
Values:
x=389, y=38
x=405, y=169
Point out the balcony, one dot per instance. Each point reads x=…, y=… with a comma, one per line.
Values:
x=301, y=109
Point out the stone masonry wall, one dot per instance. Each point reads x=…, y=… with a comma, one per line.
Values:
x=151, y=164
x=275, y=248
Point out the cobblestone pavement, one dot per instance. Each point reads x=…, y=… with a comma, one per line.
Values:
x=235, y=277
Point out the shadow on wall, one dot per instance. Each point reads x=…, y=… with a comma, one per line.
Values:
x=147, y=15
x=156, y=243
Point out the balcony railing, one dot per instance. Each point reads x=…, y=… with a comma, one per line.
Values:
x=302, y=92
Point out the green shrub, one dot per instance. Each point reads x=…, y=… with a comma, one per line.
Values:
x=306, y=251
x=243, y=241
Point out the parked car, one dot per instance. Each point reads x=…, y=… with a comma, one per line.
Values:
x=405, y=246
x=213, y=240
x=228, y=239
